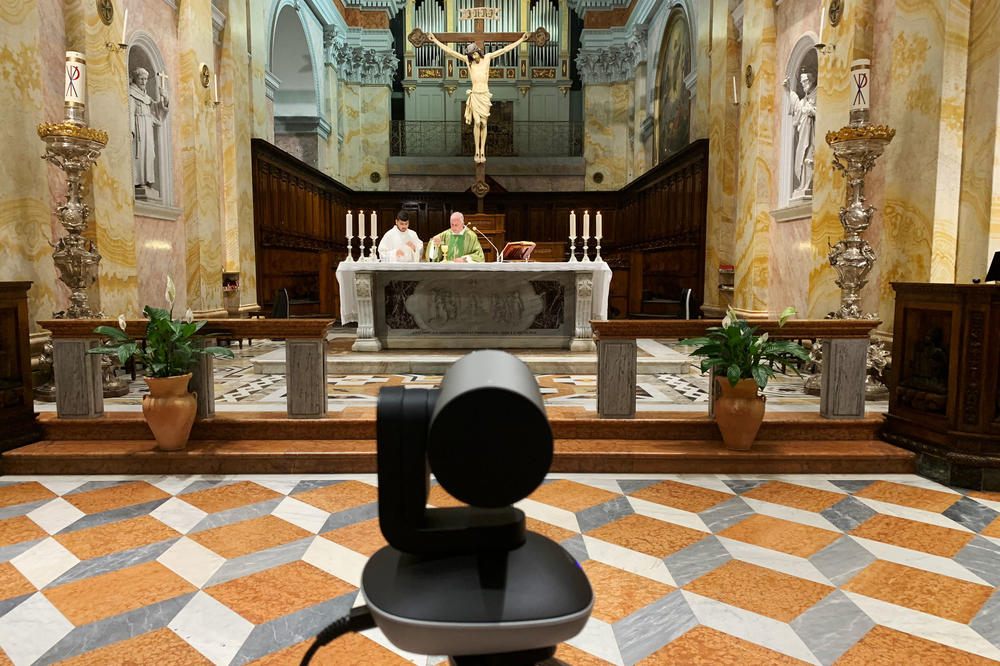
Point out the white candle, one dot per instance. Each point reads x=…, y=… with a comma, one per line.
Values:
x=361, y=225
x=124, y=26
x=586, y=225
x=76, y=79
x=598, y=222
x=216, y=88
x=736, y=97
x=572, y=224
x=350, y=225
x=860, y=84
x=374, y=224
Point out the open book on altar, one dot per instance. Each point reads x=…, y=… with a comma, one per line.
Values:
x=517, y=251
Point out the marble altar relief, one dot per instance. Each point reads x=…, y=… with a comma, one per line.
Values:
x=485, y=306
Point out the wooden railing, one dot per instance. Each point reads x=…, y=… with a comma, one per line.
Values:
x=79, y=393
x=845, y=348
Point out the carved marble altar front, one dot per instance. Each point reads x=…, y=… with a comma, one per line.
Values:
x=435, y=306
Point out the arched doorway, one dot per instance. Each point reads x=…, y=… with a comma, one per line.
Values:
x=298, y=121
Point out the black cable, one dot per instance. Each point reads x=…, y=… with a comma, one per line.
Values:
x=357, y=620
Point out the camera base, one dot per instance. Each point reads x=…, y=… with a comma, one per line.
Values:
x=536, y=657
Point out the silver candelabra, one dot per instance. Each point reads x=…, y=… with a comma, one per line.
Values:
x=855, y=149
x=74, y=147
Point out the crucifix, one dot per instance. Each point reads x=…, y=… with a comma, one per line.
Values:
x=477, y=107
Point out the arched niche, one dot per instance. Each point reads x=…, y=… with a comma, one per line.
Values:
x=673, y=97
x=299, y=125
x=798, y=127
x=144, y=53
x=291, y=61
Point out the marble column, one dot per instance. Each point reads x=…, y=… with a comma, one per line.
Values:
x=979, y=212
x=110, y=195
x=262, y=127
x=922, y=169
x=350, y=154
x=752, y=244
x=723, y=130
x=235, y=92
x=199, y=158
x=25, y=204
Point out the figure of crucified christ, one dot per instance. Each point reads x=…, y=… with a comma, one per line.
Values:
x=477, y=108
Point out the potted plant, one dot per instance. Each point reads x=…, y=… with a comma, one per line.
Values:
x=171, y=350
x=742, y=363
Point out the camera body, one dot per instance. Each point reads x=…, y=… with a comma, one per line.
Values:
x=470, y=580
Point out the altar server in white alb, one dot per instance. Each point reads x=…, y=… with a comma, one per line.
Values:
x=400, y=243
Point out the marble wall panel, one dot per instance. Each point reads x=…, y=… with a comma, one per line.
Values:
x=979, y=195
x=350, y=153
x=160, y=252
x=722, y=153
x=605, y=133
x=199, y=160
x=756, y=173
x=237, y=128
x=261, y=108
x=375, y=136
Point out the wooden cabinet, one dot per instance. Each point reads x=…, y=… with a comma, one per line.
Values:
x=16, y=402
x=944, y=383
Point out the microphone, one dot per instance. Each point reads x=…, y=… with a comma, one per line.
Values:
x=499, y=256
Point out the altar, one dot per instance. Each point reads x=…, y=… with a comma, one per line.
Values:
x=472, y=305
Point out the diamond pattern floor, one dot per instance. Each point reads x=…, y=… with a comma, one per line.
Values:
x=713, y=569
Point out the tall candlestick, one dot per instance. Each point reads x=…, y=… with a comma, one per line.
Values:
x=76, y=79
x=216, y=88
x=361, y=234
x=572, y=224
x=350, y=225
x=124, y=26
x=736, y=97
x=598, y=223
x=374, y=225
x=586, y=227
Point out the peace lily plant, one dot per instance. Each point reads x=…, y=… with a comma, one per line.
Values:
x=736, y=352
x=170, y=348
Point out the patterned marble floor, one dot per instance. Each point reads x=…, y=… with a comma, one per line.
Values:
x=239, y=388
x=708, y=569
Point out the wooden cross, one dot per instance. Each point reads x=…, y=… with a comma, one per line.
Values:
x=479, y=35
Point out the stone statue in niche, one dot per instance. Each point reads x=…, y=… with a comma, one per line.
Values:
x=145, y=114
x=803, y=111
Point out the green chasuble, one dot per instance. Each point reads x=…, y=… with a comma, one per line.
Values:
x=465, y=244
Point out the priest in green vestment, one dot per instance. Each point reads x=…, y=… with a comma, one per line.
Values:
x=459, y=243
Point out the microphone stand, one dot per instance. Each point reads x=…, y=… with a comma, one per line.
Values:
x=499, y=256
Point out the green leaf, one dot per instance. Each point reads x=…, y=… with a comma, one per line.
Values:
x=760, y=375
x=785, y=314
x=733, y=373
x=112, y=332
x=125, y=352
x=216, y=351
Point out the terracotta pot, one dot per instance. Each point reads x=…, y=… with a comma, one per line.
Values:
x=170, y=410
x=739, y=412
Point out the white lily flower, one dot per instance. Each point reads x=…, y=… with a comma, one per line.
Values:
x=727, y=321
x=763, y=338
x=188, y=316
x=171, y=292
x=121, y=322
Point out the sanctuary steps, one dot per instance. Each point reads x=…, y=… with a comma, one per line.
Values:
x=269, y=443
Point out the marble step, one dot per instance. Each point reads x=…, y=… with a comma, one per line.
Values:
x=358, y=456
x=359, y=423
